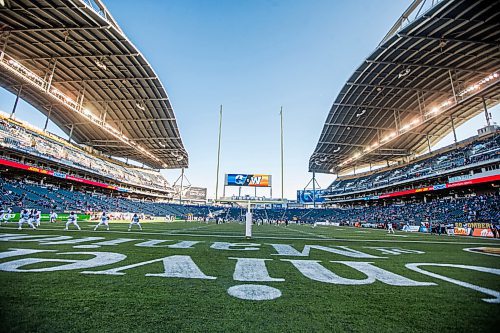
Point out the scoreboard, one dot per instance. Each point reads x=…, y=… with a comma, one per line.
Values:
x=254, y=180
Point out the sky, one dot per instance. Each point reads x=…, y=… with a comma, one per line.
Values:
x=253, y=57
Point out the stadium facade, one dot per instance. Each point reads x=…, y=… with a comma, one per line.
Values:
x=111, y=104
x=72, y=62
x=437, y=68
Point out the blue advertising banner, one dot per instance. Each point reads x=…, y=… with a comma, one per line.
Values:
x=306, y=196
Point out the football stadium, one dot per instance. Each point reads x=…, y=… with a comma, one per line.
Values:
x=101, y=229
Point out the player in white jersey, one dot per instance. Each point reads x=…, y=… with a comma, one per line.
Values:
x=31, y=215
x=25, y=217
x=72, y=219
x=5, y=215
x=37, y=217
x=2, y=215
x=53, y=217
x=135, y=221
x=104, y=221
x=389, y=228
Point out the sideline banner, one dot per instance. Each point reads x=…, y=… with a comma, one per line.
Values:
x=479, y=232
x=462, y=231
x=476, y=229
x=14, y=217
x=411, y=228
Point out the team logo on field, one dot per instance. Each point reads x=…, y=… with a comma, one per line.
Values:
x=252, y=271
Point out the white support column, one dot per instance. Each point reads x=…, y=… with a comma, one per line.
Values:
x=452, y=86
x=182, y=186
x=105, y=113
x=14, y=108
x=4, y=47
x=71, y=132
x=51, y=76
x=486, y=113
x=81, y=97
x=453, y=128
x=48, y=118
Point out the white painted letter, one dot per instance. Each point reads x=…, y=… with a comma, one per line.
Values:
x=287, y=250
x=72, y=241
x=114, y=242
x=175, y=266
x=153, y=243
x=20, y=252
x=30, y=238
x=179, y=245
x=183, y=245
x=101, y=259
x=229, y=246
x=313, y=270
x=182, y=267
x=254, y=270
x=394, y=250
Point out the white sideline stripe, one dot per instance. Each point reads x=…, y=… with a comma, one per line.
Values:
x=158, y=233
x=193, y=228
x=308, y=233
x=338, y=239
x=263, y=237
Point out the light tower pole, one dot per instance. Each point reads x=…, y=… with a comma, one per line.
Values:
x=282, y=183
x=218, y=155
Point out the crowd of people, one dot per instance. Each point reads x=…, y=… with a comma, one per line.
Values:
x=18, y=194
x=476, y=151
x=48, y=197
x=31, y=141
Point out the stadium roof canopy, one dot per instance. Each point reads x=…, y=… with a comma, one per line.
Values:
x=437, y=68
x=70, y=60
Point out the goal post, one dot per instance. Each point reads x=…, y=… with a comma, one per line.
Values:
x=248, y=221
x=248, y=205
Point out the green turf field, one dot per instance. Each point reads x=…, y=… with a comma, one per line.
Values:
x=204, y=264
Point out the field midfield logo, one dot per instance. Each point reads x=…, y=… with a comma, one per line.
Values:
x=248, y=270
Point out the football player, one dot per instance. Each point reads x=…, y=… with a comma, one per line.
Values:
x=25, y=217
x=72, y=219
x=104, y=221
x=53, y=217
x=135, y=221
